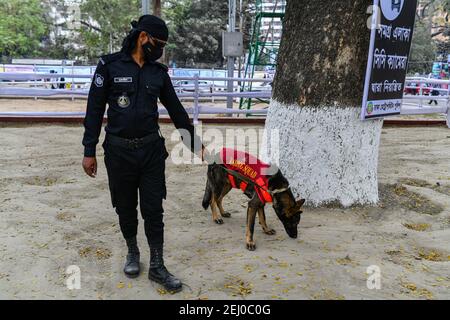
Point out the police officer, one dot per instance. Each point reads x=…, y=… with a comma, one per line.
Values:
x=130, y=82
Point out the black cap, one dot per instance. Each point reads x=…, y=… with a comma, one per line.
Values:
x=155, y=26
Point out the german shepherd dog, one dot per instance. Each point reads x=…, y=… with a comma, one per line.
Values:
x=284, y=203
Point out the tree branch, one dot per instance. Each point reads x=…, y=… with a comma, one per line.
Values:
x=87, y=24
x=435, y=34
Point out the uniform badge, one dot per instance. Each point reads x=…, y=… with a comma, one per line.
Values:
x=99, y=80
x=123, y=101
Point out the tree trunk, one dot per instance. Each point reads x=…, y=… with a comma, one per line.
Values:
x=325, y=151
x=157, y=8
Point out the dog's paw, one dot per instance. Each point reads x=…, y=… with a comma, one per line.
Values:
x=226, y=214
x=270, y=232
x=251, y=246
x=219, y=221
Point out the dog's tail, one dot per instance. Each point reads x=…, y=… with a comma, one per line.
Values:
x=207, y=196
x=208, y=191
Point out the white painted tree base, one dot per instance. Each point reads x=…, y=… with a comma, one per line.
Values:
x=328, y=154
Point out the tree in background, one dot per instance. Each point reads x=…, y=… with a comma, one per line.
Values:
x=175, y=12
x=104, y=24
x=423, y=48
x=32, y=28
x=326, y=151
x=156, y=7
x=59, y=43
x=441, y=28
x=196, y=31
x=196, y=28
x=438, y=11
x=431, y=36
x=23, y=28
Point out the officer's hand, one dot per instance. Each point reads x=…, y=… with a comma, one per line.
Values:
x=90, y=166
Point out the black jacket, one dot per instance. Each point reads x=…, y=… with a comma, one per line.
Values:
x=131, y=93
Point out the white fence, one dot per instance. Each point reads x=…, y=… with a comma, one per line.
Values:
x=426, y=96
x=197, y=89
x=419, y=92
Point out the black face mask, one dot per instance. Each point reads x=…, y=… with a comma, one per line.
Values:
x=152, y=53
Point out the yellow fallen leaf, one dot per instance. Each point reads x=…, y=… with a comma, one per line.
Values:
x=120, y=285
x=417, y=226
x=410, y=286
x=162, y=291
x=431, y=255
x=426, y=293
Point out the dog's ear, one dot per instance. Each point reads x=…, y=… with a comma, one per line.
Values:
x=296, y=208
x=277, y=181
x=300, y=203
x=270, y=181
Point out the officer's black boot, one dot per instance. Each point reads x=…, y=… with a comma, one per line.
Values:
x=132, y=267
x=158, y=272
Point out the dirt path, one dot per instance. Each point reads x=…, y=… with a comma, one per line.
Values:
x=53, y=216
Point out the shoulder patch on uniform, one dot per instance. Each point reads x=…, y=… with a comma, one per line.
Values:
x=108, y=58
x=99, y=80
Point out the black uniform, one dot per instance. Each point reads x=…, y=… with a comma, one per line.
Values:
x=135, y=151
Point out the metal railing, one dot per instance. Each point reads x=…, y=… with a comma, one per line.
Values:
x=38, y=85
x=423, y=88
x=417, y=92
x=420, y=90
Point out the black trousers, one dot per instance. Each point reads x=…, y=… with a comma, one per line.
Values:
x=133, y=172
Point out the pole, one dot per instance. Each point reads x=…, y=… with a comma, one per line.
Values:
x=230, y=64
x=157, y=8
x=145, y=7
x=72, y=83
x=196, y=95
x=110, y=43
x=241, y=18
x=448, y=107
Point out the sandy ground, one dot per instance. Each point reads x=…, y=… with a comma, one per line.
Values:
x=53, y=216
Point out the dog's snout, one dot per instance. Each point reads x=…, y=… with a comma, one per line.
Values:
x=292, y=232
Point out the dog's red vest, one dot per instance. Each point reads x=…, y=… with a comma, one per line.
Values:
x=250, y=167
